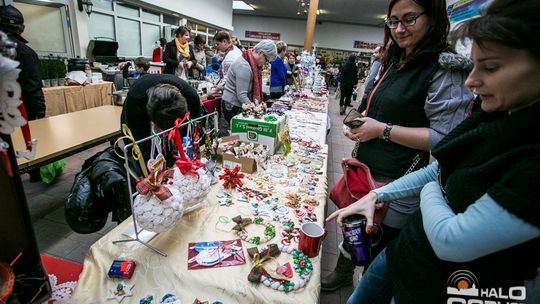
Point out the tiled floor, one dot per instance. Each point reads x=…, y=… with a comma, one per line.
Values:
x=57, y=239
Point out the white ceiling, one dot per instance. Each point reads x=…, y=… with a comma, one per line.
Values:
x=362, y=12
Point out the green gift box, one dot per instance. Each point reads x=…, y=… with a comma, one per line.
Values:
x=259, y=131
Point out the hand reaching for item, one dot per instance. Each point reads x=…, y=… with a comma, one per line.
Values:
x=365, y=206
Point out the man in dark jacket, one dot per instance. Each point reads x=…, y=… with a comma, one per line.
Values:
x=349, y=78
x=12, y=23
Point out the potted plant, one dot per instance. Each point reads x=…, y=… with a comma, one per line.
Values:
x=44, y=66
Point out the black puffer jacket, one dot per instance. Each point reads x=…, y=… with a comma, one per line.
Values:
x=101, y=187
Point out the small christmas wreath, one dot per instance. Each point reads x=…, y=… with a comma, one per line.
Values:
x=302, y=267
x=240, y=228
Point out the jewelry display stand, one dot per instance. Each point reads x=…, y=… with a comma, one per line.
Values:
x=140, y=235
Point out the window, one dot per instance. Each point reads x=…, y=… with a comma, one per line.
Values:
x=101, y=25
x=129, y=37
x=37, y=17
x=150, y=34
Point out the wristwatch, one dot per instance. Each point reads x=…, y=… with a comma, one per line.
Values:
x=386, y=133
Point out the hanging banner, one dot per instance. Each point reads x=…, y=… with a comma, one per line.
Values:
x=465, y=9
x=263, y=35
x=364, y=45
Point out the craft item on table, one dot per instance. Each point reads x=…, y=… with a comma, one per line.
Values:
x=224, y=199
x=240, y=228
x=276, y=170
x=289, y=233
x=197, y=301
x=187, y=143
x=148, y=299
x=280, y=209
x=254, y=109
x=190, y=177
x=215, y=254
x=285, y=139
x=311, y=201
x=158, y=207
x=170, y=299
x=252, y=193
x=293, y=200
x=232, y=178
x=197, y=141
x=258, y=274
x=120, y=290
x=122, y=269
x=285, y=270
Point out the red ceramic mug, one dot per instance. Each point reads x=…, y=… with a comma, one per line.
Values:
x=311, y=237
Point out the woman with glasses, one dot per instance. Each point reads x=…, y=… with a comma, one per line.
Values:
x=418, y=98
x=476, y=238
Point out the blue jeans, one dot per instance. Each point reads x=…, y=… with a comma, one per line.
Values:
x=374, y=287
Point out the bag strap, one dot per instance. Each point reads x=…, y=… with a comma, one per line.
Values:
x=357, y=145
x=376, y=87
x=415, y=162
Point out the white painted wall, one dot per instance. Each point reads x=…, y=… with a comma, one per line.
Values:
x=327, y=35
x=214, y=12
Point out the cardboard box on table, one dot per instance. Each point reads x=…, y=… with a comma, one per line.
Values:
x=259, y=131
x=247, y=165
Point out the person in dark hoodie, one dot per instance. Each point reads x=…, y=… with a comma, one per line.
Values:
x=12, y=23
x=349, y=78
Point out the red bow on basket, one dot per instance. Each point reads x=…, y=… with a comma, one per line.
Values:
x=183, y=163
x=154, y=184
x=189, y=166
x=232, y=178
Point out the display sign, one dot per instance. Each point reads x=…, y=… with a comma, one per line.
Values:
x=465, y=9
x=263, y=35
x=364, y=45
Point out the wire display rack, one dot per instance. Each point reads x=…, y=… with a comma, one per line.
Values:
x=137, y=230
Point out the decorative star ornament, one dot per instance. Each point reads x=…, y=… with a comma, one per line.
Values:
x=120, y=290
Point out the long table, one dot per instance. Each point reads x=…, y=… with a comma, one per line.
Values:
x=66, y=99
x=158, y=275
x=63, y=135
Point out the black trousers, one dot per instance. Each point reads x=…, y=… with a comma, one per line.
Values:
x=225, y=119
x=346, y=94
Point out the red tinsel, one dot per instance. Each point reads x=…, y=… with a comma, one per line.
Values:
x=232, y=178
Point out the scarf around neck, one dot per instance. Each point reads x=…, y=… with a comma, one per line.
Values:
x=257, y=74
x=183, y=49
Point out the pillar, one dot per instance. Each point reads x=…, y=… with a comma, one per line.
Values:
x=310, y=25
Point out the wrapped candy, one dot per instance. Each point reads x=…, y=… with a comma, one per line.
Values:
x=158, y=207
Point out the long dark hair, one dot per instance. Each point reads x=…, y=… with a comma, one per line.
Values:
x=435, y=38
x=515, y=24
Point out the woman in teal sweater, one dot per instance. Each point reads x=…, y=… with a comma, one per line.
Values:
x=477, y=234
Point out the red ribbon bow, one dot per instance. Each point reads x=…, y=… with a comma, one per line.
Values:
x=232, y=178
x=154, y=184
x=189, y=166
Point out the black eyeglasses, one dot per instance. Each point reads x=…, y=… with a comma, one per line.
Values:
x=407, y=20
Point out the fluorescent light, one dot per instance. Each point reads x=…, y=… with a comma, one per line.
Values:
x=318, y=12
x=241, y=5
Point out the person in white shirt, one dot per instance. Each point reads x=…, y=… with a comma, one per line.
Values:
x=230, y=54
